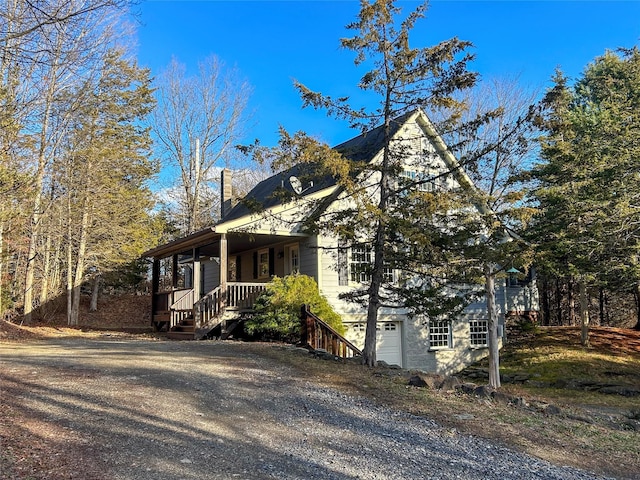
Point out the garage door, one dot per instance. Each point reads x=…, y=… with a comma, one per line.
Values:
x=389, y=344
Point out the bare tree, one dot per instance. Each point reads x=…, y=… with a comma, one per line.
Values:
x=198, y=122
x=22, y=18
x=499, y=186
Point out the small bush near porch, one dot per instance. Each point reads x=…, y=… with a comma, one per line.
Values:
x=277, y=310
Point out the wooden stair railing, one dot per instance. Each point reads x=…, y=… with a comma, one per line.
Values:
x=208, y=307
x=181, y=308
x=317, y=334
x=203, y=315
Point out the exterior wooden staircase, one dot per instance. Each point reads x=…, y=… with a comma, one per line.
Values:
x=216, y=315
x=223, y=329
x=319, y=336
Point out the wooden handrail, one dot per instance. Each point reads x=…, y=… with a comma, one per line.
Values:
x=213, y=304
x=208, y=307
x=182, y=299
x=318, y=334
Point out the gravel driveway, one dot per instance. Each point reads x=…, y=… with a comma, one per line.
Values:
x=218, y=410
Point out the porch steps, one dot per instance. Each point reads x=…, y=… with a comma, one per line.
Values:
x=186, y=330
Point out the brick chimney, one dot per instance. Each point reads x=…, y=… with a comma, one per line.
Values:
x=226, y=193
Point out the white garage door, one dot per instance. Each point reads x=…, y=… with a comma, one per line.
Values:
x=389, y=344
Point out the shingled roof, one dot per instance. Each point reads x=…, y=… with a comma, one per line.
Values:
x=277, y=188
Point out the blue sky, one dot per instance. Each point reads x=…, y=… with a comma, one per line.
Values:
x=273, y=42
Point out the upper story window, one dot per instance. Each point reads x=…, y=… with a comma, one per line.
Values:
x=426, y=182
x=361, y=263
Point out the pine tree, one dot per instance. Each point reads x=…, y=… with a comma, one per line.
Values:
x=588, y=180
x=107, y=164
x=400, y=223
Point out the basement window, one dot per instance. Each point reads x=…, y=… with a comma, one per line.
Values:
x=440, y=334
x=479, y=333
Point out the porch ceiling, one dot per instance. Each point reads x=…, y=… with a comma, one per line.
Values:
x=242, y=242
x=180, y=245
x=209, y=243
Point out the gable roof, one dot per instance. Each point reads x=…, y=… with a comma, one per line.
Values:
x=277, y=188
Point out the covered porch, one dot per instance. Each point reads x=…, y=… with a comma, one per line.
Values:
x=203, y=282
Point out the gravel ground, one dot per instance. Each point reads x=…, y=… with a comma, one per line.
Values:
x=218, y=410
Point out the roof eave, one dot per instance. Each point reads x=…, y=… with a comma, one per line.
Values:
x=180, y=244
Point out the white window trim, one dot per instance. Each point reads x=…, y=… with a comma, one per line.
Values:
x=478, y=334
x=449, y=345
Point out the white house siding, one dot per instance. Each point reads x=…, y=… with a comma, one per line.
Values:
x=414, y=334
x=309, y=257
x=522, y=299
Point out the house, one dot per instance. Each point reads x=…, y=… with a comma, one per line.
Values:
x=213, y=274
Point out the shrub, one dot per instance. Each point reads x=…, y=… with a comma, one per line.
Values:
x=277, y=310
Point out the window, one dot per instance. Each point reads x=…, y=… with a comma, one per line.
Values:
x=294, y=259
x=418, y=177
x=440, y=334
x=263, y=263
x=359, y=327
x=387, y=275
x=361, y=261
x=478, y=331
x=360, y=264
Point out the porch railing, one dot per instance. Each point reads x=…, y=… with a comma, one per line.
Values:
x=182, y=306
x=173, y=306
x=242, y=296
x=318, y=334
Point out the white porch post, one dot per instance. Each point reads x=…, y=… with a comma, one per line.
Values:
x=223, y=277
x=224, y=265
x=197, y=292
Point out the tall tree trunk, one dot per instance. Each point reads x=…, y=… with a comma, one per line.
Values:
x=636, y=294
x=36, y=213
x=1, y=266
x=79, y=270
x=558, y=302
x=572, y=302
x=546, y=303
x=584, y=312
x=369, y=357
x=46, y=270
x=492, y=313
x=95, y=292
x=69, y=262
x=601, y=306
x=370, y=340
